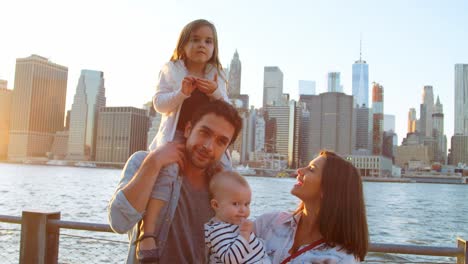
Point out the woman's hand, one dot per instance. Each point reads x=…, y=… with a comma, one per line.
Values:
x=207, y=86
x=188, y=85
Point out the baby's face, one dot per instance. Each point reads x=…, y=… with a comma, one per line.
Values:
x=233, y=204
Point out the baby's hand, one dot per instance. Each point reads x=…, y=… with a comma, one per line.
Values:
x=245, y=228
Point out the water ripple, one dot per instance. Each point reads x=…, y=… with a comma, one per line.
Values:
x=418, y=214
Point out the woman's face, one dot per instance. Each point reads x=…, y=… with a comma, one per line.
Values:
x=309, y=179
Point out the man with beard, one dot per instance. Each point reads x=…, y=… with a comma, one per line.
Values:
x=180, y=228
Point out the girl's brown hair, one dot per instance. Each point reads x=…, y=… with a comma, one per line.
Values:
x=184, y=37
x=342, y=214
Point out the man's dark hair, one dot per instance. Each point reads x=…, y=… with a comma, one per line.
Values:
x=222, y=109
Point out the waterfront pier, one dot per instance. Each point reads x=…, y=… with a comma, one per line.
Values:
x=40, y=233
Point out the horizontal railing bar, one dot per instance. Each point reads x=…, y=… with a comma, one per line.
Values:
x=80, y=226
x=373, y=247
x=10, y=219
x=416, y=250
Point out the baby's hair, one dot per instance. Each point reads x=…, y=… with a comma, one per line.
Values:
x=225, y=176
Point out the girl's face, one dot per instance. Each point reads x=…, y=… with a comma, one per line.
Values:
x=200, y=46
x=309, y=180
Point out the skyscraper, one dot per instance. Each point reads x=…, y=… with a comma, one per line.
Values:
x=304, y=154
x=234, y=80
x=440, y=151
x=121, y=132
x=363, y=129
x=459, y=149
x=259, y=133
x=89, y=98
x=38, y=106
x=461, y=99
x=334, y=82
x=426, y=111
x=412, y=120
x=277, y=129
x=377, y=119
x=306, y=87
x=5, y=110
x=331, y=123
x=272, y=85
x=389, y=122
x=361, y=81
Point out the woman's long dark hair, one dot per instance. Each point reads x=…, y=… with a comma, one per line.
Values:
x=342, y=214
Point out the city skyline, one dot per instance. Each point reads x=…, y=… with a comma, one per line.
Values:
x=404, y=47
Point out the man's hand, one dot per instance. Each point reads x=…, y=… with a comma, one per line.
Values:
x=246, y=228
x=207, y=86
x=188, y=85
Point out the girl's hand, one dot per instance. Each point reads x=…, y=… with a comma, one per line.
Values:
x=207, y=86
x=188, y=85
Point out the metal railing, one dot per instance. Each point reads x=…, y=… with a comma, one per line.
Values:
x=40, y=232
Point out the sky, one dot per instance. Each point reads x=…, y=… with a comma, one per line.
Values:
x=407, y=44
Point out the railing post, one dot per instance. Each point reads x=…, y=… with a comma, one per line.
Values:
x=462, y=244
x=39, y=241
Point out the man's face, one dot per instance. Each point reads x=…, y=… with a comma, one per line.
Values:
x=207, y=140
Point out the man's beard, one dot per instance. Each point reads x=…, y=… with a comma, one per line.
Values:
x=191, y=152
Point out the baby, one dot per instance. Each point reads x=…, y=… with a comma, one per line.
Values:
x=229, y=235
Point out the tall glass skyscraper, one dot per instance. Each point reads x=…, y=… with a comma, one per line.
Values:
x=89, y=97
x=306, y=87
x=461, y=99
x=272, y=86
x=361, y=82
x=334, y=83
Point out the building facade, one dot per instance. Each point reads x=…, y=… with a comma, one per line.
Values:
x=461, y=99
x=334, y=82
x=361, y=83
x=427, y=108
x=363, y=128
x=88, y=99
x=259, y=133
x=405, y=154
x=372, y=166
x=459, y=150
x=121, y=132
x=272, y=86
x=440, y=151
x=234, y=80
x=38, y=107
x=277, y=119
x=306, y=87
x=377, y=118
x=412, y=120
x=305, y=155
x=332, y=122
x=5, y=112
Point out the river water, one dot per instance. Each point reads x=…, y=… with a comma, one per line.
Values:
x=399, y=213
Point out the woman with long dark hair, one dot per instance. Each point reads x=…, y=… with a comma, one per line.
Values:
x=330, y=224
